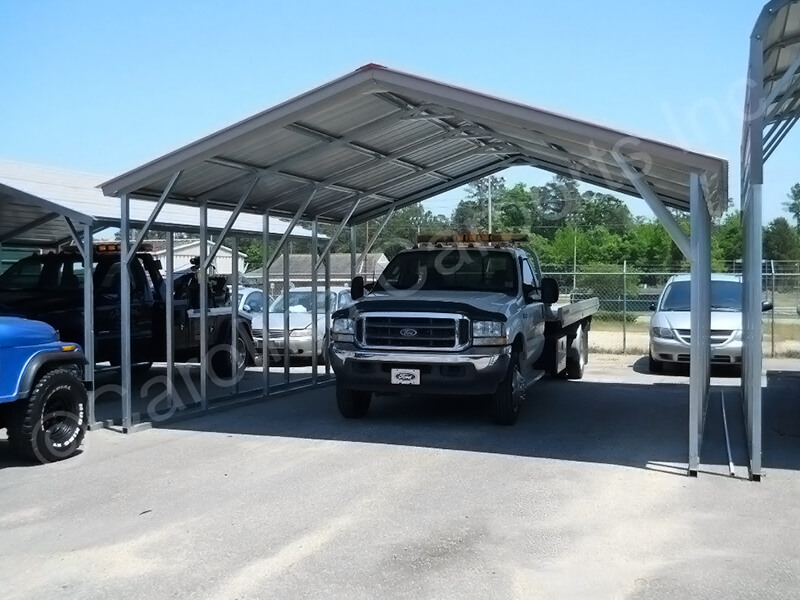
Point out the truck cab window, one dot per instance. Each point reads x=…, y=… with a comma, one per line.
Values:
x=528, y=274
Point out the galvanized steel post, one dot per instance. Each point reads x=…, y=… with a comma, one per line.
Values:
x=88, y=319
x=700, y=326
x=202, y=279
x=125, y=314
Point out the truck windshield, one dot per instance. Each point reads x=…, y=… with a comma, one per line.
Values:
x=44, y=273
x=726, y=296
x=453, y=269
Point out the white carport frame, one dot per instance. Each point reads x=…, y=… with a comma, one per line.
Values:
x=376, y=140
x=772, y=108
x=47, y=208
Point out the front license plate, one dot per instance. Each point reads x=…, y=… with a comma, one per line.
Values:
x=405, y=376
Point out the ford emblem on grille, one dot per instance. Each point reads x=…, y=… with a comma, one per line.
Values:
x=408, y=332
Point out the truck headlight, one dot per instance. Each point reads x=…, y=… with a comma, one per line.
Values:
x=663, y=333
x=737, y=335
x=488, y=333
x=343, y=330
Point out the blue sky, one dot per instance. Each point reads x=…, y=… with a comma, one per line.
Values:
x=103, y=86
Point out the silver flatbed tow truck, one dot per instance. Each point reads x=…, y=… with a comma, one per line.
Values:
x=458, y=315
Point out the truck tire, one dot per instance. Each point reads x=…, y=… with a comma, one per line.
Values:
x=50, y=424
x=577, y=354
x=221, y=364
x=353, y=404
x=653, y=365
x=510, y=394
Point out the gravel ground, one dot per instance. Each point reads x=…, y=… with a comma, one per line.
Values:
x=586, y=497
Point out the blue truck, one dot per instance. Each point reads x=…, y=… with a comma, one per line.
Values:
x=42, y=392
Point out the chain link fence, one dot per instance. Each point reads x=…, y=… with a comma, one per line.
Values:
x=621, y=326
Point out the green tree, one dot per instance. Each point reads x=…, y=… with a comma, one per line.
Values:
x=793, y=206
x=605, y=210
x=726, y=239
x=472, y=213
x=781, y=241
x=556, y=203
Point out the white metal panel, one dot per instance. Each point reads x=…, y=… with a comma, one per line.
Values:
x=29, y=192
x=386, y=110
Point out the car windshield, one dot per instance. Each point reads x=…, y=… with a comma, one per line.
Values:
x=456, y=269
x=725, y=296
x=303, y=302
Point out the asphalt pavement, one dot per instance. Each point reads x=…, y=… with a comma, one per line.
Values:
x=586, y=497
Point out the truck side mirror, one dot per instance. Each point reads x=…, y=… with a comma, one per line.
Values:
x=357, y=287
x=766, y=305
x=652, y=306
x=549, y=290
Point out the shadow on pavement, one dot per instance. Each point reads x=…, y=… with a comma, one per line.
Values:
x=641, y=365
x=634, y=425
x=620, y=424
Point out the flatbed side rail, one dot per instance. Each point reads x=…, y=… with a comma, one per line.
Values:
x=568, y=314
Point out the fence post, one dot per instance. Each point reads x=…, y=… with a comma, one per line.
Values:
x=772, y=312
x=624, y=307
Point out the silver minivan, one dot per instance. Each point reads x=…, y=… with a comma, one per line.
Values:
x=670, y=329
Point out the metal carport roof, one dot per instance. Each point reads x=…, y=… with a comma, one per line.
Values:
x=378, y=139
x=33, y=198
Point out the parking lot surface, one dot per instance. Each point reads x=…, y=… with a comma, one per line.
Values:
x=586, y=497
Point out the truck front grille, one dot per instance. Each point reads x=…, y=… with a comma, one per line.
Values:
x=412, y=332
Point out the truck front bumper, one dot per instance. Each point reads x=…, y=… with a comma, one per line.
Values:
x=474, y=371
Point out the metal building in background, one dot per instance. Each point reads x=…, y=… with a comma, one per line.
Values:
x=376, y=140
x=772, y=108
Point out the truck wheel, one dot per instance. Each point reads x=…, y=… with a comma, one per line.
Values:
x=653, y=365
x=510, y=394
x=353, y=404
x=578, y=354
x=221, y=364
x=50, y=425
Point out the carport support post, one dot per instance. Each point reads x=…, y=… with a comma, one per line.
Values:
x=752, y=184
x=88, y=319
x=125, y=313
x=169, y=285
x=752, y=350
x=314, y=299
x=203, y=281
x=371, y=242
x=267, y=302
x=327, y=258
x=287, y=249
x=234, y=311
x=700, y=351
x=353, y=250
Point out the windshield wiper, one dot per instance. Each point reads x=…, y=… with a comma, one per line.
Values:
x=725, y=308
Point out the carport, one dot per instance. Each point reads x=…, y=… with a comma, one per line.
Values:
x=45, y=209
x=375, y=140
x=772, y=108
